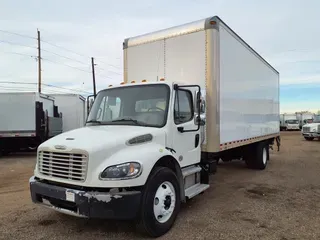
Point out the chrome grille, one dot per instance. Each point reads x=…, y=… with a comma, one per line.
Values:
x=71, y=166
x=306, y=129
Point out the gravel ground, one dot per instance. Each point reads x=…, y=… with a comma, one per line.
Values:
x=281, y=202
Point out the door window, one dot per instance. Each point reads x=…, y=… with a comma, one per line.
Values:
x=183, y=107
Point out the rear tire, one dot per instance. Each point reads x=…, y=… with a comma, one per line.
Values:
x=258, y=157
x=160, y=203
x=308, y=138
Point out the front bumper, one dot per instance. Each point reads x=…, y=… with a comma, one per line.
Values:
x=293, y=128
x=311, y=134
x=88, y=204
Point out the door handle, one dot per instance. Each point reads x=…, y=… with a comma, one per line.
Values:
x=181, y=129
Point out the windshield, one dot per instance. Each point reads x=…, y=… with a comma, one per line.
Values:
x=145, y=105
x=316, y=119
x=292, y=121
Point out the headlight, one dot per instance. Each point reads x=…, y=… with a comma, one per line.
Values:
x=122, y=171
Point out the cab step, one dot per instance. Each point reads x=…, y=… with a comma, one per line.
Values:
x=195, y=190
x=190, y=170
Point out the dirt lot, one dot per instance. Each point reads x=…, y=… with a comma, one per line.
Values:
x=282, y=202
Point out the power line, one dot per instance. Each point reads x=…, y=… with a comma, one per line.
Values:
x=79, y=69
x=48, y=85
x=18, y=34
x=66, y=49
x=21, y=54
x=108, y=64
x=72, y=59
x=18, y=44
x=24, y=89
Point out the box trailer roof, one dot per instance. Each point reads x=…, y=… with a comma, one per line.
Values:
x=196, y=26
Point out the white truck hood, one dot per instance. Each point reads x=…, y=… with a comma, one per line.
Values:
x=311, y=125
x=95, y=138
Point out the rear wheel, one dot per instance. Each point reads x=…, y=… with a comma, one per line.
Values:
x=257, y=157
x=160, y=202
x=308, y=138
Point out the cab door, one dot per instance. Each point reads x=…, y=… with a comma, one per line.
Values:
x=186, y=127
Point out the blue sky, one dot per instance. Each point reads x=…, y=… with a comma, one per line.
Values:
x=286, y=33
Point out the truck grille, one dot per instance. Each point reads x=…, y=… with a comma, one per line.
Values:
x=306, y=129
x=71, y=166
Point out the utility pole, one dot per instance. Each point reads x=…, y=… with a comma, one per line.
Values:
x=93, y=77
x=39, y=63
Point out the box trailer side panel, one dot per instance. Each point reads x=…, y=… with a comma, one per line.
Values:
x=249, y=91
x=18, y=112
x=48, y=103
x=72, y=107
x=151, y=62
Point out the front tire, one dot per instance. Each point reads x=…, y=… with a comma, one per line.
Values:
x=160, y=202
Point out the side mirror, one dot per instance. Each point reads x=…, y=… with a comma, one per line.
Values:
x=89, y=103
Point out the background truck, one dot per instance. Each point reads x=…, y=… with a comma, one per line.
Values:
x=192, y=94
x=72, y=107
x=289, y=122
x=26, y=120
x=304, y=118
x=311, y=131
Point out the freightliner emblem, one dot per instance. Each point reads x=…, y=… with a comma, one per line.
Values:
x=60, y=147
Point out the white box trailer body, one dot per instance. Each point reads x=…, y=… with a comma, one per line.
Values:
x=23, y=119
x=144, y=148
x=241, y=88
x=19, y=111
x=73, y=109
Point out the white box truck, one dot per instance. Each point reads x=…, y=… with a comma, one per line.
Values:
x=150, y=145
x=26, y=120
x=289, y=121
x=72, y=107
x=304, y=118
x=311, y=131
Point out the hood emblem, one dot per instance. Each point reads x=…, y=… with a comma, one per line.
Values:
x=60, y=147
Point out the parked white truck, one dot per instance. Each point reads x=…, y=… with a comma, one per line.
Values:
x=26, y=120
x=311, y=131
x=289, y=122
x=304, y=118
x=144, y=149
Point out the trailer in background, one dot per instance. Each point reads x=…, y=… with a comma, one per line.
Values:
x=26, y=120
x=289, y=122
x=73, y=109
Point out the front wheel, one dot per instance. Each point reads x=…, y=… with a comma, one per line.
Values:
x=308, y=138
x=160, y=202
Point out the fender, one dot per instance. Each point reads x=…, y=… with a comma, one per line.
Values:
x=147, y=154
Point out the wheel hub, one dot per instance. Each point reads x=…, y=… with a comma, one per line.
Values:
x=164, y=202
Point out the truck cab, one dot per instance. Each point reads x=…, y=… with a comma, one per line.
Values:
x=311, y=131
x=140, y=144
x=292, y=124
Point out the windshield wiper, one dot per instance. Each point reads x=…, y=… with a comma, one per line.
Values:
x=94, y=121
x=127, y=119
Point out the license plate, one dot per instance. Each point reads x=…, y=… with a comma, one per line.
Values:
x=70, y=196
